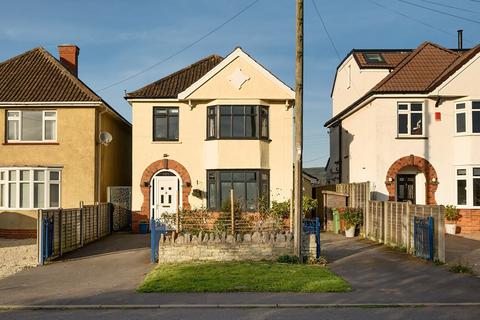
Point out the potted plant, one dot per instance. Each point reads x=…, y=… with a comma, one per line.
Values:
x=451, y=215
x=352, y=218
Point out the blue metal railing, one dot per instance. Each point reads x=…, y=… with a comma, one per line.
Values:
x=312, y=226
x=157, y=228
x=423, y=234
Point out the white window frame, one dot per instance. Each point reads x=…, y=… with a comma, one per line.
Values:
x=469, y=186
x=408, y=112
x=47, y=182
x=20, y=133
x=468, y=117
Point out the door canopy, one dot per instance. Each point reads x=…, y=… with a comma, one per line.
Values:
x=423, y=166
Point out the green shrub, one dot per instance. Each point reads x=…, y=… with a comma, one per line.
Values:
x=352, y=217
x=280, y=209
x=288, y=259
x=452, y=213
x=309, y=205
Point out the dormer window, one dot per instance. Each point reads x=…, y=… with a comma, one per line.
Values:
x=374, y=57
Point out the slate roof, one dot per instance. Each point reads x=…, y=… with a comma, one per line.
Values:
x=171, y=85
x=37, y=76
x=420, y=72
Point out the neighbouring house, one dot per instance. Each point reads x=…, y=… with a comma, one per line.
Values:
x=313, y=178
x=216, y=125
x=409, y=122
x=55, y=151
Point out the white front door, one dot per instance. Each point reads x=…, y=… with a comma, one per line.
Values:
x=165, y=195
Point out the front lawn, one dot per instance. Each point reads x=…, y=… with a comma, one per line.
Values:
x=242, y=277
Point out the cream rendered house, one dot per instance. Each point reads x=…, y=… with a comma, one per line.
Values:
x=409, y=122
x=218, y=124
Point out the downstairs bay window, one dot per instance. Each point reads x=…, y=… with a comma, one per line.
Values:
x=468, y=186
x=247, y=185
x=29, y=188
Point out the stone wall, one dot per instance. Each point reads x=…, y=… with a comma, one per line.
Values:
x=213, y=247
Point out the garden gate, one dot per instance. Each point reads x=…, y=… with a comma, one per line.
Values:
x=312, y=226
x=121, y=199
x=423, y=234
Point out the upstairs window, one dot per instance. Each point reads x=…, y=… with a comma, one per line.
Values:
x=31, y=126
x=237, y=122
x=467, y=117
x=165, y=124
x=410, y=119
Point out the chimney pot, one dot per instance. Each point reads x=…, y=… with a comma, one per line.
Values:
x=69, y=57
x=460, y=39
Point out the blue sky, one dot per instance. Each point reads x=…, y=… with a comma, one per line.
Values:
x=119, y=38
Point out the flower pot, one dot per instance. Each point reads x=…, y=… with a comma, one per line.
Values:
x=451, y=228
x=350, y=232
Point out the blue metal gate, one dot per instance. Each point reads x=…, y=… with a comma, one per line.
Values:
x=312, y=226
x=423, y=234
x=47, y=239
x=157, y=227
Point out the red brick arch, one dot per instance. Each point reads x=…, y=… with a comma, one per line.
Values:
x=147, y=176
x=423, y=166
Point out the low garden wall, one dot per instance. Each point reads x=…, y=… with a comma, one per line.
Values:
x=223, y=247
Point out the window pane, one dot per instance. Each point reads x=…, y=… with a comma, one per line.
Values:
x=416, y=123
x=2, y=195
x=2, y=175
x=416, y=107
x=403, y=107
x=252, y=195
x=160, y=128
x=402, y=123
x=24, y=195
x=50, y=114
x=38, y=175
x=211, y=126
x=32, y=125
x=238, y=176
x=461, y=172
x=238, y=126
x=239, y=192
x=461, y=192
x=39, y=195
x=460, y=106
x=225, y=176
x=50, y=130
x=251, y=126
x=264, y=126
x=54, y=195
x=225, y=126
x=12, y=175
x=173, y=111
x=476, y=172
x=476, y=105
x=24, y=175
x=54, y=175
x=238, y=110
x=476, y=121
x=461, y=123
x=212, y=195
x=225, y=110
x=225, y=192
x=12, y=191
x=13, y=130
x=160, y=111
x=476, y=192
x=173, y=128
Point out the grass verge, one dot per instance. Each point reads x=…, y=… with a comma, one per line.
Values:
x=242, y=277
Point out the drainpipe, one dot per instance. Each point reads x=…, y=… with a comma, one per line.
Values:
x=340, y=156
x=99, y=150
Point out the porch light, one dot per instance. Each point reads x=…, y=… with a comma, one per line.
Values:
x=434, y=180
x=390, y=179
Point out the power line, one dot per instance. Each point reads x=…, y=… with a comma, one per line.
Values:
x=440, y=12
x=450, y=6
x=414, y=19
x=326, y=30
x=315, y=159
x=183, y=49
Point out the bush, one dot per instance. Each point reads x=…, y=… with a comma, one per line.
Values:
x=288, y=259
x=309, y=205
x=352, y=217
x=451, y=213
x=280, y=209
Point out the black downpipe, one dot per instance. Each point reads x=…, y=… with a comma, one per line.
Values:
x=340, y=156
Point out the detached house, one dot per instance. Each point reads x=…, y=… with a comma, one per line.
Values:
x=409, y=122
x=218, y=124
x=52, y=153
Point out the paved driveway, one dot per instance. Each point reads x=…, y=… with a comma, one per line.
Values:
x=108, y=271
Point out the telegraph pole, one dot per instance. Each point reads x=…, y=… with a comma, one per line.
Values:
x=298, y=177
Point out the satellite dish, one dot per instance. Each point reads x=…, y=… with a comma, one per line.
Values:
x=105, y=138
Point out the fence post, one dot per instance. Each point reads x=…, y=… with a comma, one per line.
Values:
x=82, y=224
x=96, y=214
x=409, y=229
x=177, y=218
x=232, y=211
x=40, y=246
x=60, y=228
x=441, y=234
x=385, y=222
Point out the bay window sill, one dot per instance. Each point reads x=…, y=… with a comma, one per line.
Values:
x=166, y=142
x=52, y=143
x=411, y=138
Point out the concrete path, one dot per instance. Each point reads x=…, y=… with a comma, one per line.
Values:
x=108, y=271
x=463, y=251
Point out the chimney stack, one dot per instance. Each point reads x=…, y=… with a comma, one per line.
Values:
x=69, y=57
x=460, y=39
